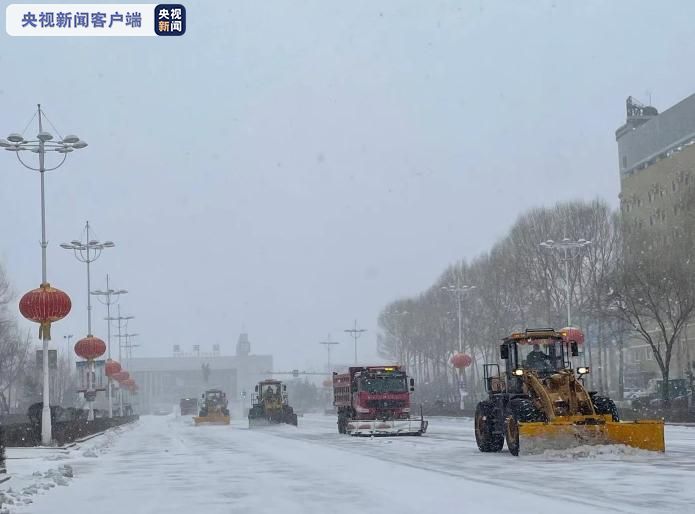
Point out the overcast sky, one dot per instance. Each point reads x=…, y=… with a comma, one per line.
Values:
x=293, y=165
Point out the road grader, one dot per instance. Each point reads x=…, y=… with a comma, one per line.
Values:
x=271, y=405
x=213, y=408
x=539, y=401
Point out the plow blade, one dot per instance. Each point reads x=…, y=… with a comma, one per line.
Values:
x=387, y=428
x=211, y=419
x=559, y=435
x=260, y=422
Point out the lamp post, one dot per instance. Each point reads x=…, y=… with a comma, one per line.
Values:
x=88, y=251
x=109, y=298
x=67, y=338
x=328, y=343
x=459, y=290
x=120, y=319
x=569, y=249
x=355, y=333
x=41, y=145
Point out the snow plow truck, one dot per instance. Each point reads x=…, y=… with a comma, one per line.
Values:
x=271, y=406
x=213, y=408
x=375, y=401
x=539, y=400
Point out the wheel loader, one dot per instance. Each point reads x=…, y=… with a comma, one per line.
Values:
x=270, y=405
x=213, y=408
x=539, y=401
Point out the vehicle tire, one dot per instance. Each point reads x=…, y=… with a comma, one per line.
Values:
x=342, y=425
x=487, y=441
x=522, y=411
x=511, y=434
x=603, y=405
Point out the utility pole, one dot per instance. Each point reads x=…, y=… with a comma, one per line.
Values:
x=355, y=333
x=120, y=319
x=328, y=343
x=569, y=249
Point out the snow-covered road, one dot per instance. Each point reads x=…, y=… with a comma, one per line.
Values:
x=165, y=464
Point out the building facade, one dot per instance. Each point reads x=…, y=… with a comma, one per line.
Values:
x=163, y=381
x=656, y=154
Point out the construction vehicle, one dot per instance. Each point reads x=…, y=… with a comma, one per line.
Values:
x=213, y=408
x=375, y=401
x=270, y=405
x=539, y=401
x=188, y=406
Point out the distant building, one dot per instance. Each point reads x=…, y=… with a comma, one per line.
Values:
x=165, y=380
x=656, y=154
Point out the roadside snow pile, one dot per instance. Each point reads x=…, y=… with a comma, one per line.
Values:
x=42, y=482
x=603, y=452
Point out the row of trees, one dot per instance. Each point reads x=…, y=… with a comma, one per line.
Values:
x=617, y=295
x=20, y=381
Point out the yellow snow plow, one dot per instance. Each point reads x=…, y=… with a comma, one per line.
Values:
x=213, y=409
x=539, y=402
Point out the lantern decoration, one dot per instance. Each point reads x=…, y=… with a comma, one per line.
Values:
x=121, y=376
x=90, y=347
x=111, y=368
x=572, y=334
x=327, y=383
x=461, y=360
x=45, y=305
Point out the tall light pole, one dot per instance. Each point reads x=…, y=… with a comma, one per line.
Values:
x=569, y=249
x=459, y=290
x=355, y=333
x=109, y=298
x=328, y=343
x=120, y=319
x=88, y=251
x=67, y=338
x=41, y=145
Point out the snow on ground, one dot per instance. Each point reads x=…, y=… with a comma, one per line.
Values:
x=165, y=464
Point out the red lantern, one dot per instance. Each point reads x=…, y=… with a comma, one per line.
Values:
x=45, y=305
x=461, y=360
x=90, y=347
x=572, y=334
x=121, y=376
x=111, y=368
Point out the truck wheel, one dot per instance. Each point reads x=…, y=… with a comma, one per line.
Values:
x=342, y=425
x=511, y=433
x=486, y=439
x=522, y=410
x=603, y=405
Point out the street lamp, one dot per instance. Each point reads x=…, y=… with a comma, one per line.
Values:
x=328, y=343
x=355, y=333
x=120, y=319
x=41, y=145
x=88, y=251
x=459, y=290
x=569, y=249
x=108, y=298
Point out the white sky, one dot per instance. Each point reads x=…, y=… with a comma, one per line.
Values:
x=294, y=165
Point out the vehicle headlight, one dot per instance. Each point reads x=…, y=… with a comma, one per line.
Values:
x=518, y=372
x=583, y=370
